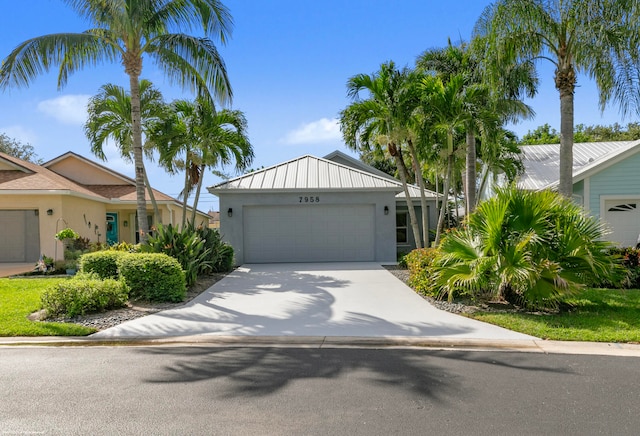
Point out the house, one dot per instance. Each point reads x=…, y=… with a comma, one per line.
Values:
x=606, y=182
x=312, y=209
x=36, y=201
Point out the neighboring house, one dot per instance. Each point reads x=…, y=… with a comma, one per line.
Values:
x=214, y=220
x=312, y=209
x=36, y=201
x=606, y=182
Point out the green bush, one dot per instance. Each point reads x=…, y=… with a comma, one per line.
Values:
x=152, y=277
x=419, y=263
x=629, y=277
x=220, y=254
x=185, y=246
x=84, y=294
x=102, y=263
x=529, y=248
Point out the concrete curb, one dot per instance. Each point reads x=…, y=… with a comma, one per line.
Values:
x=527, y=346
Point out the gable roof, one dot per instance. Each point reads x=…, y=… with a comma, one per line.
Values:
x=542, y=162
x=308, y=172
x=344, y=159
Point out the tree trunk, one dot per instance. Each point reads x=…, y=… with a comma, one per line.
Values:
x=404, y=176
x=565, y=83
x=445, y=200
x=195, y=200
x=470, y=182
x=141, y=202
x=152, y=196
x=423, y=199
x=185, y=193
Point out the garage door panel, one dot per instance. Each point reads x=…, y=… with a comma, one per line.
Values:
x=309, y=233
x=19, y=236
x=623, y=217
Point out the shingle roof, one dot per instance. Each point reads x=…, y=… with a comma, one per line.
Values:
x=542, y=162
x=308, y=172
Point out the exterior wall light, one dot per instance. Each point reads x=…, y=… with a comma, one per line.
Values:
x=386, y=210
x=49, y=211
x=125, y=223
x=230, y=212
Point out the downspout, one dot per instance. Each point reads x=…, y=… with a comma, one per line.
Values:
x=170, y=214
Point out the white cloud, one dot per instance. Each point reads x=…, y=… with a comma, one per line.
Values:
x=68, y=109
x=20, y=134
x=322, y=130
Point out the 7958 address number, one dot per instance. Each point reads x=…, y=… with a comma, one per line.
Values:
x=309, y=199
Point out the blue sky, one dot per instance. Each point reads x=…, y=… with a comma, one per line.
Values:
x=288, y=62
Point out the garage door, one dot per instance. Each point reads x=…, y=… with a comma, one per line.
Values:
x=309, y=233
x=623, y=216
x=19, y=236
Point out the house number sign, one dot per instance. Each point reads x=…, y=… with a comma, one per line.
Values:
x=309, y=199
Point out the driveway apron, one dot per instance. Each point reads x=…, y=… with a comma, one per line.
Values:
x=329, y=299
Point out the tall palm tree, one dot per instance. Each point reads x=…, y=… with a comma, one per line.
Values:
x=382, y=120
x=110, y=118
x=501, y=103
x=595, y=37
x=197, y=137
x=125, y=31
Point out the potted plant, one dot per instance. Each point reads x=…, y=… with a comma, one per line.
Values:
x=66, y=234
x=71, y=267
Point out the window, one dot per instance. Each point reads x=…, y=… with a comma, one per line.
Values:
x=401, y=227
x=622, y=207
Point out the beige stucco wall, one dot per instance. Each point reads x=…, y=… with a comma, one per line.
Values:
x=83, y=172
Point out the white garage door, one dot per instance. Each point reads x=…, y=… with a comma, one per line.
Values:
x=623, y=217
x=19, y=236
x=309, y=233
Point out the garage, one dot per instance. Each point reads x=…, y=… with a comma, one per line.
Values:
x=623, y=218
x=309, y=209
x=309, y=233
x=19, y=236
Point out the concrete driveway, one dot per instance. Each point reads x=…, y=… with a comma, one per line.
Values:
x=330, y=299
x=10, y=269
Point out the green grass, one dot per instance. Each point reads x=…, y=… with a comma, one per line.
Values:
x=599, y=315
x=21, y=297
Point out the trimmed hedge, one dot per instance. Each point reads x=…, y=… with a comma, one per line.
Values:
x=152, y=277
x=84, y=294
x=102, y=263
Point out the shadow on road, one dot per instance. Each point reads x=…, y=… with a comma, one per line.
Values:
x=263, y=371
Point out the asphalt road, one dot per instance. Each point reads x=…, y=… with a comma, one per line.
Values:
x=310, y=391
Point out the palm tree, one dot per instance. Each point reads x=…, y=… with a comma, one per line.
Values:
x=205, y=138
x=382, y=120
x=124, y=31
x=595, y=37
x=500, y=103
x=110, y=118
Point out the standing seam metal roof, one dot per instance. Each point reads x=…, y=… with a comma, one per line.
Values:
x=320, y=174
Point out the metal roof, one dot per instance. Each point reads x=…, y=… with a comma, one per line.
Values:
x=542, y=162
x=308, y=172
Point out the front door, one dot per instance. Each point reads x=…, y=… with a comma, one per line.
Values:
x=112, y=228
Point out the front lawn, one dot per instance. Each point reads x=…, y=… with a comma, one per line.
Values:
x=598, y=315
x=21, y=297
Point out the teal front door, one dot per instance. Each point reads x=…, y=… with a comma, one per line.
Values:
x=112, y=228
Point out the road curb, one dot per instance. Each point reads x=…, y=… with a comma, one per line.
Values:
x=529, y=346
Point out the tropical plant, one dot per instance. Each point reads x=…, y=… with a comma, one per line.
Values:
x=204, y=138
x=125, y=31
x=526, y=247
x=66, y=233
x=384, y=119
x=110, y=118
x=595, y=37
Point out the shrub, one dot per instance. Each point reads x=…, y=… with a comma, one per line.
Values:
x=102, y=263
x=629, y=277
x=529, y=248
x=84, y=294
x=152, y=276
x=220, y=254
x=420, y=262
x=185, y=245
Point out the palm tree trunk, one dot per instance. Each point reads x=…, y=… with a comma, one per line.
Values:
x=152, y=196
x=565, y=83
x=141, y=202
x=185, y=193
x=423, y=198
x=197, y=197
x=445, y=200
x=404, y=176
x=470, y=182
